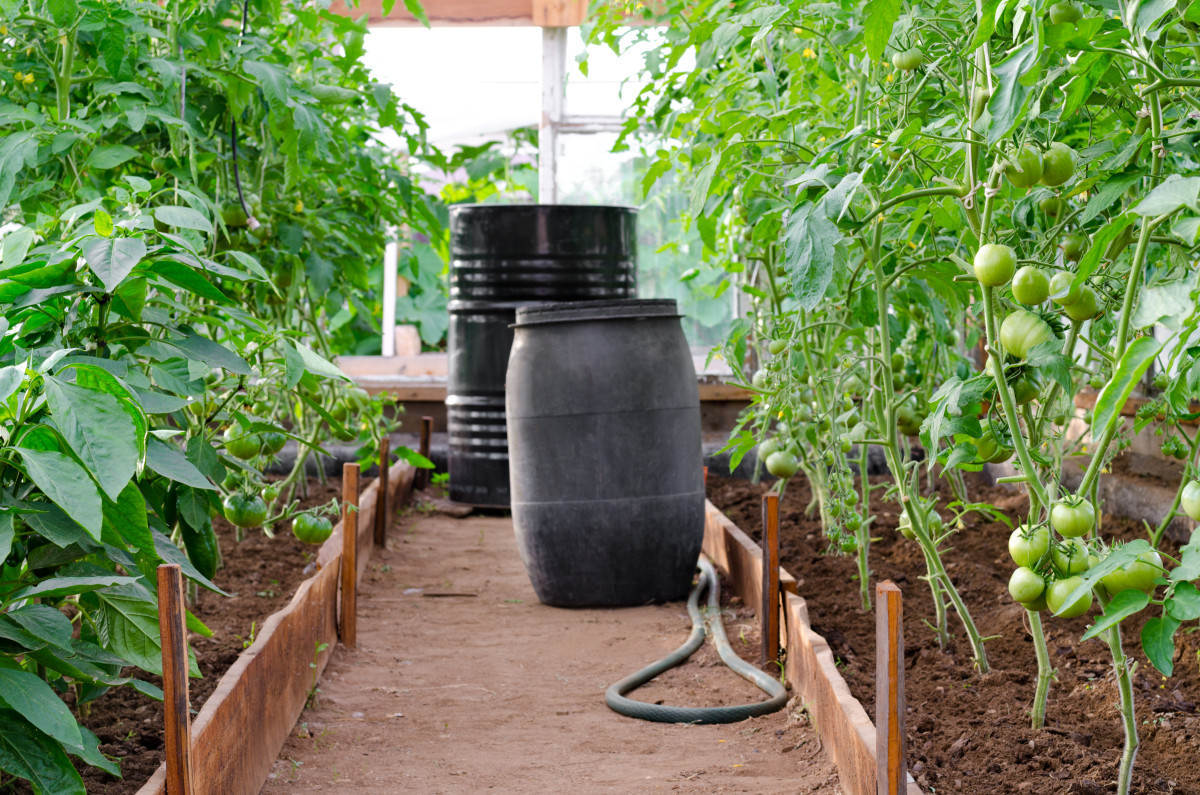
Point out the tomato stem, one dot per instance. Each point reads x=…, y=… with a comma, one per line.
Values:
x=1045, y=672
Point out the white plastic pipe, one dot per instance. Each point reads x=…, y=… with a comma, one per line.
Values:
x=390, y=256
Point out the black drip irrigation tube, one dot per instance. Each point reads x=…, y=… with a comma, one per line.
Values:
x=704, y=621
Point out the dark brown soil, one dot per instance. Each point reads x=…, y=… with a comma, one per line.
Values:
x=261, y=574
x=969, y=733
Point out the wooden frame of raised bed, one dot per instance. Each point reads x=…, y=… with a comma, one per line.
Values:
x=846, y=731
x=243, y=725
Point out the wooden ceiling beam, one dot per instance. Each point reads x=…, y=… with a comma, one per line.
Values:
x=471, y=13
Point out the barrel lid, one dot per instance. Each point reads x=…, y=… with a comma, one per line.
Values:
x=616, y=309
x=500, y=209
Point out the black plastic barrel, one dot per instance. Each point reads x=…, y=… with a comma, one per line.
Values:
x=604, y=451
x=503, y=257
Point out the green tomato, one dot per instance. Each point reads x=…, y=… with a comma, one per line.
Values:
x=1086, y=308
x=272, y=442
x=767, y=447
x=1057, y=593
x=1025, y=585
x=240, y=444
x=908, y=60
x=1070, y=557
x=1058, y=164
x=245, y=510
x=271, y=491
x=1026, y=390
x=1063, y=290
x=994, y=264
x=1141, y=573
x=1065, y=12
x=1191, y=500
x=782, y=464
x=1027, y=547
x=989, y=447
x=1024, y=168
x=1052, y=206
x=1022, y=331
x=1072, y=518
x=1074, y=246
x=1030, y=286
x=777, y=347
x=312, y=529
x=759, y=381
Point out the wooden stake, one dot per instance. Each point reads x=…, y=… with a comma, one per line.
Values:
x=769, y=617
x=890, y=753
x=381, y=493
x=706, y=478
x=349, y=554
x=422, y=477
x=172, y=624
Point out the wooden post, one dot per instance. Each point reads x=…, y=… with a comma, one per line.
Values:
x=381, y=493
x=706, y=479
x=890, y=753
x=770, y=578
x=349, y=554
x=176, y=708
x=421, y=479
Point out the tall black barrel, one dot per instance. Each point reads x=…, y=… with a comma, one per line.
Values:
x=503, y=257
x=605, y=454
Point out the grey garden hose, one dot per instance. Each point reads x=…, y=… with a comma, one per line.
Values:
x=615, y=696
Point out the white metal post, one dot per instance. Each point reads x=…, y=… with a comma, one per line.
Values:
x=390, y=255
x=554, y=72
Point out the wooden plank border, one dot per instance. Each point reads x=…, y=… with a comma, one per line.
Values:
x=243, y=725
x=846, y=730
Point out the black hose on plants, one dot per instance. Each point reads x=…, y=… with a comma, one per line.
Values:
x=706, y=621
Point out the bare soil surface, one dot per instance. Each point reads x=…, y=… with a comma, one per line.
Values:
x=261, y=574
x=969, y=733
x=489, y=690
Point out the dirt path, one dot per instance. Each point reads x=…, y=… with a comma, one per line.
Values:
x=460, y=694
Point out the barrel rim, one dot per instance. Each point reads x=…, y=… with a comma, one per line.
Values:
x=607, y=309
x=455, y=209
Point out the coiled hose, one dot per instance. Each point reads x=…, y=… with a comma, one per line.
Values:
x=615, y=696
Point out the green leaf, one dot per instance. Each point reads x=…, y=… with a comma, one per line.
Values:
x=67, y=484
x=16, y=246
x=1158, y=641
x=53, y=524
x=700, y=188
x=316, y=364
x=168, y=552
x=1169, y=304
x=1011, y=94
x=879, y=16
x=1113, y=561
x=188, y=279
x=1185, y=603
x=1173, y=194
x=272, y=79
x=112, y=259
x=103, y=157
x=44, y=622
x=812, y=253
x=89, y=751
x=98, y=429
x=6, y=534
x=103, y=223
x=68, y=586
x=1123, y=605
x=1048, y=359
x=27, y=753
x=1108, y=193
x=211, y=353
x=182, y=217
x=166, y=460
x=34, y=700
x=1129, y=371
x=126, y=517
x=1100, y=241
x=127, y=623
x=63, y=12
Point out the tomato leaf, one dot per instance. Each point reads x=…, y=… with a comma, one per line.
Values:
x=1158, y=642
x=1189, y=560
x=1123, y=605
x=1173, y=194
x=1011, y=95
x=879, y=16
x=1129, y=371
x=1185, y=603
x=1100, y=242
x=812, y=253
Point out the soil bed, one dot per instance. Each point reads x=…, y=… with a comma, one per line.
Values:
x=261, y=574
x=969, y=733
